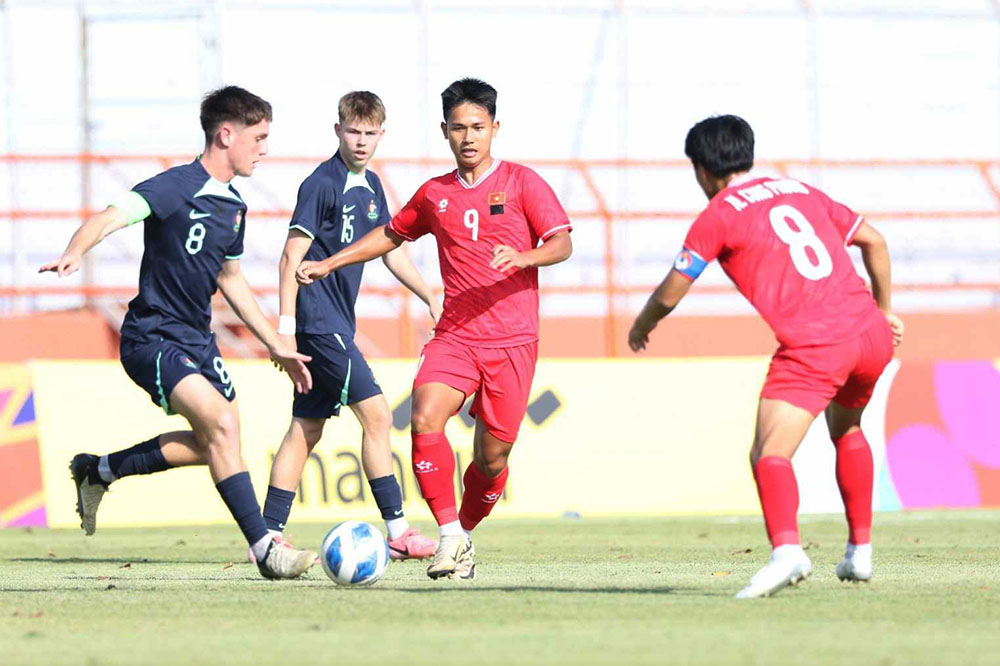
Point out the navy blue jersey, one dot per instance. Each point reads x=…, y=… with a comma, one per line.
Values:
x=196, y=224
x=335, y=208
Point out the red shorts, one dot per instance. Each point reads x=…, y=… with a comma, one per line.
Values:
x=500, y=378
x=810, y=377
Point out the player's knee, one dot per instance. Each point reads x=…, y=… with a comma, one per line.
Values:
x=224, y=431
x=378, y=424
x=312, y=433
x=424, y=420
x=491, y=464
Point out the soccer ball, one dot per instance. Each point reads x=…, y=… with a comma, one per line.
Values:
x=354, y=553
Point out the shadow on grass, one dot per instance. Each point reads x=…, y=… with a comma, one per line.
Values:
x=107, y=560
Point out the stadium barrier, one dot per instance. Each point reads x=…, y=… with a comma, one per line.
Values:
x=662, y=436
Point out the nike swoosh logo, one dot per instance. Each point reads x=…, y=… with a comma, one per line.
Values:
x=397, y=512
x=195, y=215
x=229, y=391
x=348, y=210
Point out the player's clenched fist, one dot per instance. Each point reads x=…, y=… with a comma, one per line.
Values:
x=66, y=265
x=309, y=271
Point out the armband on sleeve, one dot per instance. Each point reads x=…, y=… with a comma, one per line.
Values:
x=133, y=205
x=689, y=264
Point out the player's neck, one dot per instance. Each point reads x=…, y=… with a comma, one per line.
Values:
x=217, y=166
x=472, y=174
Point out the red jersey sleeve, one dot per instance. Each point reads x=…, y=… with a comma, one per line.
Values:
x=705, y=240
x=844, y=219
x=410, y=222
x=541, y=207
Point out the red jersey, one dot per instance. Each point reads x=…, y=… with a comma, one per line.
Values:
x=510, y=205
x=784, y=245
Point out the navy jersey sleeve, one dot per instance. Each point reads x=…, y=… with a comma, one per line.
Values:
x=161, y=193
x=235, y=250
x=311, y=205
x=383, y=207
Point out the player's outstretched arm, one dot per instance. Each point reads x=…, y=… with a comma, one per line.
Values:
x=661, y=303
x=375, y=243
x=556, y=248
x=875, y=255
x=238, y=294
x=401, y=266
x=90, y=233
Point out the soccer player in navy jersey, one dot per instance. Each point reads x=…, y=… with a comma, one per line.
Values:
x=340, y=202
x=193, y=240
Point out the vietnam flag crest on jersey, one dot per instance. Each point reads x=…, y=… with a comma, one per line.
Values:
x=497, y=201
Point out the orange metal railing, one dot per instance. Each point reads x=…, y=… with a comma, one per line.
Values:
x=599, y=211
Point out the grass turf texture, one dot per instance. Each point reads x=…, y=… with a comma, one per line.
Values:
x=602, y=591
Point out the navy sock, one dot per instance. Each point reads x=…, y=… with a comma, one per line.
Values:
x=145, y=458
x=277, y=506
x=237, y=493
x=388, y=496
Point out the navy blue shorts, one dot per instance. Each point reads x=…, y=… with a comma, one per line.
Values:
x=340, y=374
x=157, y=365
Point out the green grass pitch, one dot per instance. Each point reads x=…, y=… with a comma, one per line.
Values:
x=589, y=591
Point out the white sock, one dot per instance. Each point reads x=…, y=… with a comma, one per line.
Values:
x=397, y=527
x=861, y=551
x=468, y=534
x=104, y=470
x=260, y=548
x=454, y=528
x=793, y=550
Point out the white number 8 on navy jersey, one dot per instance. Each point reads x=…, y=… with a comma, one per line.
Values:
x=798, y=241
x=195, y=239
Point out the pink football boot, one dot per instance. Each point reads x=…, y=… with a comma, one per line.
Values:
x=411, y=545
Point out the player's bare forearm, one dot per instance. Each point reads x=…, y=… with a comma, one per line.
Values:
x=556, y=248
x=296, y=246
x=875, y=255
x=375, y=243
x=661, y=303
x=401, y=266
x=90, y=233
x=234, y=287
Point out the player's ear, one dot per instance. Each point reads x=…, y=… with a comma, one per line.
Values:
x=226, y=135
x=496, y=127
x=444, y=130
x=336, y=129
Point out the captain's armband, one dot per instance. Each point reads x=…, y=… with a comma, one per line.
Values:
x=689, y=264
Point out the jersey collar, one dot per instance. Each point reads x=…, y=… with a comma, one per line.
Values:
x=351, y=179
x=479, y=181
x=213, y=187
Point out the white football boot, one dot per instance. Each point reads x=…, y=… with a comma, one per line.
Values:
x=857, y=564
x=451, y=551
x=90, y=490
x=284, y=561
x=788, y=566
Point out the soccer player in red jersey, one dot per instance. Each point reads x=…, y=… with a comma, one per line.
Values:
x=784, y=245
x=488, y=217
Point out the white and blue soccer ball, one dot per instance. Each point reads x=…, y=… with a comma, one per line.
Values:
x=354, y=553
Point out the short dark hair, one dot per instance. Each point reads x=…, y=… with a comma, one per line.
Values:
x=723, y=145
x=230, y=104
x=469, y=91
x=361, y=105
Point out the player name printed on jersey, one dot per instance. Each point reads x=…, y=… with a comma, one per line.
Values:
x=763, y=192
x=783, y=244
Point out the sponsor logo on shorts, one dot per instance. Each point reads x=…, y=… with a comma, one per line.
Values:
x=491, y=498
x=189, y=363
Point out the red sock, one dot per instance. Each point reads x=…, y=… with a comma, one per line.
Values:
x=434, y=467
x=481, y=495
x=779, y=498
x=855, y=473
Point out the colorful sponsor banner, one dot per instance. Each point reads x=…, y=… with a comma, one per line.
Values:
x=658, y=436
x=22, y=502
